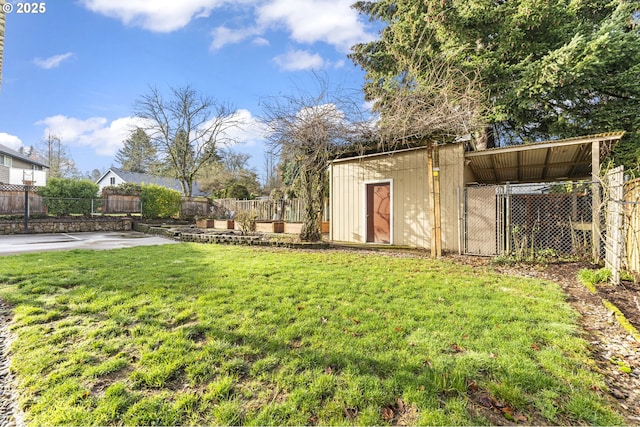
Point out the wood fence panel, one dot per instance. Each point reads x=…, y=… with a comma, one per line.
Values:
x=12, y=203
x=632, y=216
x=615, y=223
x=192, y=206
x=120, y=204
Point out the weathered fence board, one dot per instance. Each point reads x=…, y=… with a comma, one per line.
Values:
x=632, y=216
x=12, y=203
x=290, y=210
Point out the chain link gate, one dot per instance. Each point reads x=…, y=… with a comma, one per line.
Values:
x=527, y=221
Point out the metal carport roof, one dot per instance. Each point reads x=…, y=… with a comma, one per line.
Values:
x=560, y=160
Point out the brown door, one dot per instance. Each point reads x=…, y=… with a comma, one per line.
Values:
x=379, y=213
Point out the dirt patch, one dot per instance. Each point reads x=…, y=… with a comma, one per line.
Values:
x=626, y=297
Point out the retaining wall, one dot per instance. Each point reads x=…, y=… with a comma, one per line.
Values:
x=66, y=225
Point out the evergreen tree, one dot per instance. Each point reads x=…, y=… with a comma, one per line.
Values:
x=554, y=68
x=138, y=154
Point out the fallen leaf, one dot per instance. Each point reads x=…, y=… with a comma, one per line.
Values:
x=473, y=386
x=457, y=348
x=350, y=413
x=535, y=347
x=485, y=401
x=300, y=307
x=323, y=319
x=520, y=418
x=398, y=329
x=356, y=321
x=387, y=413
x=507, y=411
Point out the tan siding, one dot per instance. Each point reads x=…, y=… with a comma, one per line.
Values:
x=451, y=178
x=407, y=171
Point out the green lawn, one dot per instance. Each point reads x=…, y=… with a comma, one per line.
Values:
x=202, y=334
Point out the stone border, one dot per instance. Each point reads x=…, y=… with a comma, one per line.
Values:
x=229, y=237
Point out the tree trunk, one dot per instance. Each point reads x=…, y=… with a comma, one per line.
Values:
x=486, y=138
x=312, y=191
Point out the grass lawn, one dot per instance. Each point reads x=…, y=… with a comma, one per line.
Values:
x=203, y=334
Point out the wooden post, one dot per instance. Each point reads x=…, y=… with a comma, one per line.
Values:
x=436, y=199
x=595, y=201
x=433, y=183
x=26, y=209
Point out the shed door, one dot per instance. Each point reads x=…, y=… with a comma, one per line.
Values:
x=379, y=213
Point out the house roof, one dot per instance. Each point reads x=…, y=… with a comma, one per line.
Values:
x=143, y=178
x=17, y=155
x=565, y=159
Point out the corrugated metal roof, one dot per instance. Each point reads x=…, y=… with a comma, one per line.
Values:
x=566, y=159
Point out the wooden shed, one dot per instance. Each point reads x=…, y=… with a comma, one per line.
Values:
x=388, y=199
x=384, y=198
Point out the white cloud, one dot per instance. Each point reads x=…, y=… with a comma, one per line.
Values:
x=310, y=21
x=251, y=132
x=53, y=61
x=104, y=137
x=10, y=141
x=260, y=41
x=297, y=60
x=223, y=36
x=161, y=16
x=306, y=21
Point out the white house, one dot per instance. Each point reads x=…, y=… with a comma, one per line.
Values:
x=18, y=169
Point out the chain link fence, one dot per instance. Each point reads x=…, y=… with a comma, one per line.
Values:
x=528, y=221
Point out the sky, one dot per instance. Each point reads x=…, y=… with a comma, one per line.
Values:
x=76, y=68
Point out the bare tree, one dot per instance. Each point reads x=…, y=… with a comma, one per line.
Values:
x=308, y=130
x=187, y=128
x=434, y=102
x=53, y=152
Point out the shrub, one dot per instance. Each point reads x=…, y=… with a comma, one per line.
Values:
x=159, y=202
x=65, y=196
x=124, y=189
x=246, y=220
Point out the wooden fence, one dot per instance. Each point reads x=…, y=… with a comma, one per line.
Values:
x=632, y=217
x=289, y=210
x=12, y=201
x=130, y=204
x=120, y=204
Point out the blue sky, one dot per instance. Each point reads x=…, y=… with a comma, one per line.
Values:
x=76, y=69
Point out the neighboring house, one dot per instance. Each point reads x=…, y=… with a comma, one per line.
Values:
x=116, y=176
x=18, y=169
x=385, y=198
